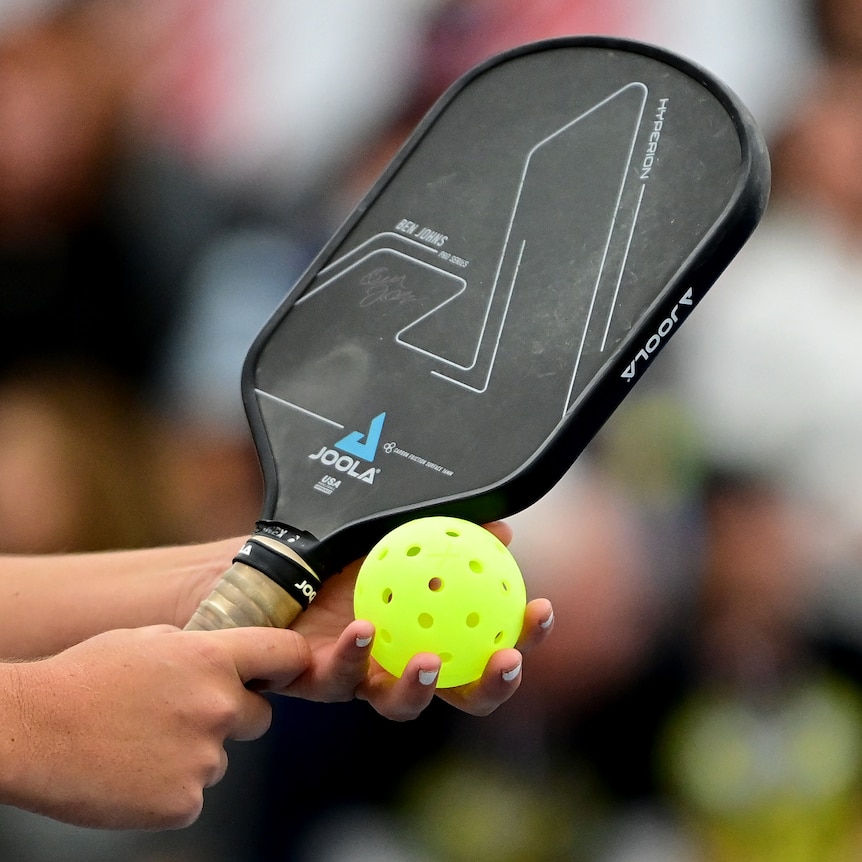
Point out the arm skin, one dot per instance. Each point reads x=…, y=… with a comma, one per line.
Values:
x=49, y=602
x=123, y=724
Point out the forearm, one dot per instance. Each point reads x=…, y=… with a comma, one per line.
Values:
x=50, y=602
x=13, y=738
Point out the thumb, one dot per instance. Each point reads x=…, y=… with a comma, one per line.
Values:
x=274, y=656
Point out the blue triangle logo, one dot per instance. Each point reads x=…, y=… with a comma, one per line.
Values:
x=365, y=449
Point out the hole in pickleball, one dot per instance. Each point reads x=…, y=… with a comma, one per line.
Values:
x=426, y=621
x=386, y=596
x=453, y=533
x=498, y=637
x=505, y=586
x=383, y=553
x=435, y=585
x=476, y=566
x=472, y=620
x=385, y=636
x=413, y=550
x=445, y=656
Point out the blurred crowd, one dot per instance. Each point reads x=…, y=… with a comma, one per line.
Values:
x=168, y=168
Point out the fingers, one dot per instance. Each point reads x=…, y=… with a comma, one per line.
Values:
x=348, y=664
x=273, y=658
x=500, y=680
x=538, y=623
x=251, y=720
x=501, y=530
x=502, y=675
x=403, y=698
x=264, y=659
x=336, y=673
x=218, y=771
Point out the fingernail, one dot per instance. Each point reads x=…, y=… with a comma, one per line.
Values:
x=427, y=677
x=509, y=675
x=362, y=642
x=547, y=623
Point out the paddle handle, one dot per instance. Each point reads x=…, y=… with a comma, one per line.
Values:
x=245, y=596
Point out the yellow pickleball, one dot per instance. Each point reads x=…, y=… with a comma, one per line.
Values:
x=441, y=585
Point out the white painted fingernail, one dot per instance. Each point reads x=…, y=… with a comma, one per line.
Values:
x=428, y=677
x=546, y=624
x=362, y=642
x=509, y=675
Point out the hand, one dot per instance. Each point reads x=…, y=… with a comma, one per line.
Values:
x=126, y=729
x=342, y=668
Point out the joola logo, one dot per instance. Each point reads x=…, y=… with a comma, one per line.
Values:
x=654, y=341
x=357, y=446
x=365, y=449
x=345, y=464
x=306, y=589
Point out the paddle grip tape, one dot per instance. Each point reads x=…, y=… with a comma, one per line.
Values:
x=290, y=575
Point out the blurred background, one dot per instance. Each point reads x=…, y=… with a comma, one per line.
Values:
x=167, y=170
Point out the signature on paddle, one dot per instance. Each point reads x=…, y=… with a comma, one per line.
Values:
x=381, y=286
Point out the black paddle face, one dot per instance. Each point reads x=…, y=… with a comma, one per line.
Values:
x=538, y=239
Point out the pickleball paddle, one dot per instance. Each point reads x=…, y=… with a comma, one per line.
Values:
x=534, y=244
